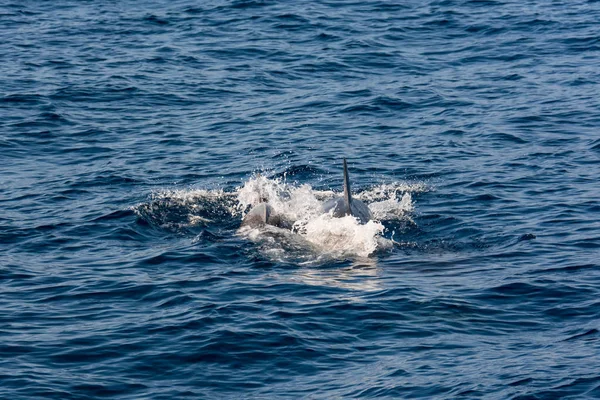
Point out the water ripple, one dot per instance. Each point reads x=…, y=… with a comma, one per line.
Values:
x=128, y=134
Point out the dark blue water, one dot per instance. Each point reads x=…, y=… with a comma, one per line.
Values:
x=127, y=131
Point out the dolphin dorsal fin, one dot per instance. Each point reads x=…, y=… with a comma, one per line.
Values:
x=265, y=215
x=347, y=193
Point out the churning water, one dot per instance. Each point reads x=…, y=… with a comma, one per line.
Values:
x=134, y=137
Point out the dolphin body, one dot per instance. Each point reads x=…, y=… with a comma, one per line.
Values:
x=346, y=205
x=263, y=214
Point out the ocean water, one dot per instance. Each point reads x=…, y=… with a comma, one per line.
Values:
x=135, y=135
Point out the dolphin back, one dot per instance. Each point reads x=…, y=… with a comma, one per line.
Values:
x=258, y=216
x=263, y=214
x=337, y=207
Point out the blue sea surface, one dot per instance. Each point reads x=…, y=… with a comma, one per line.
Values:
x=129, y=131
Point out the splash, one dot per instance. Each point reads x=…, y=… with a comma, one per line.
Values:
x=294, y=202
x=314, y=235
x=326, y=235
x=345, y=236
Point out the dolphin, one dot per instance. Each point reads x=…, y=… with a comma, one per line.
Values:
x=263, y=214
x=346, y=205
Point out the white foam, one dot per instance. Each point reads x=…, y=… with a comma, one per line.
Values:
x=392, y=208
x=345, y=236
x=293, y=202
